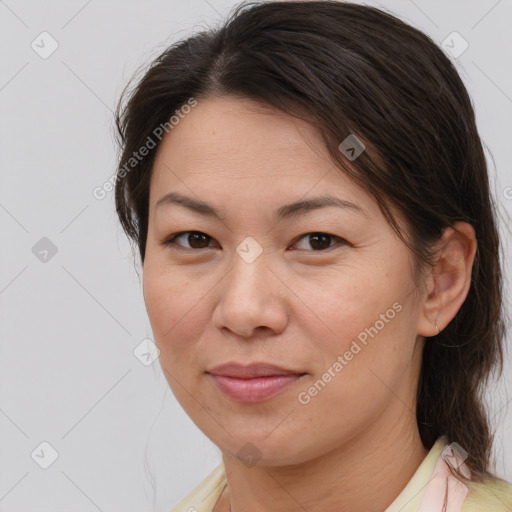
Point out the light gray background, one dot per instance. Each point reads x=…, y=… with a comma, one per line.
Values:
x=69, y=325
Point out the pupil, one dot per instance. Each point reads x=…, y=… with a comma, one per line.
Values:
x=198, y=235
x=314, y=239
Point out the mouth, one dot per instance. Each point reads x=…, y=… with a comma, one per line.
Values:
x=254, y=383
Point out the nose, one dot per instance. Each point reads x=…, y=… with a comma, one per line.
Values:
x=252, y=300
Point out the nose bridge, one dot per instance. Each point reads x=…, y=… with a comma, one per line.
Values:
x=249, y=271
x=249, y=297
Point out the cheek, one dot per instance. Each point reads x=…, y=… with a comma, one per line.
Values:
x=338, y=307
x=364, y=315
x=159, y=300
x=173, y=323
x=170, y=302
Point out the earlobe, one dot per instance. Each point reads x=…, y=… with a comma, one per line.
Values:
x=450, y=280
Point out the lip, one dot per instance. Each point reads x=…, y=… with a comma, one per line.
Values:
x=251, y=370
x=253, y=383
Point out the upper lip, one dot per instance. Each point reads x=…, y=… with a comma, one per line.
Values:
x=251, y=370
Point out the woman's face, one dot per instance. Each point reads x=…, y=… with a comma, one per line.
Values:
x=325, y=292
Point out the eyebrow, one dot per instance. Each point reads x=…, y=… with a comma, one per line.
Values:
x=284, y=212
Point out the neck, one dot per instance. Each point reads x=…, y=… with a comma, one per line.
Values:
x=364, y=474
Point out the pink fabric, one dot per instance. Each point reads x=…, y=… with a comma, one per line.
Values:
x=444, y=492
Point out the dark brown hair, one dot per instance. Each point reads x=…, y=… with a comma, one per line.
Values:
x=354, y=69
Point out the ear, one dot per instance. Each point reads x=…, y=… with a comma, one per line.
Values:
x=449, y=284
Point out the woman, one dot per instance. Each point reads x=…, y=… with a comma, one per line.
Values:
x=310, y=200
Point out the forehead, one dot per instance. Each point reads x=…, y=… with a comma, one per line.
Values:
x=227, y=146
x=236, y=133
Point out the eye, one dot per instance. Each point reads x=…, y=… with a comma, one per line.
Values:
x=320, y=241
x=196, y=239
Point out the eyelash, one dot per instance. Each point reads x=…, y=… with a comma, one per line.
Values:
x=171, y=240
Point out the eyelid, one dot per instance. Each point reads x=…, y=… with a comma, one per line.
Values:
x=170, y=241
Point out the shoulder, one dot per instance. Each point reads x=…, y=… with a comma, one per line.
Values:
x=203, y=497
x=493, y=494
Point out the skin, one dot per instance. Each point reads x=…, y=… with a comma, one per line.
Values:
x=356, y=444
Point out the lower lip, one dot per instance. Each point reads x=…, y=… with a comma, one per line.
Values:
x=255, y=390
